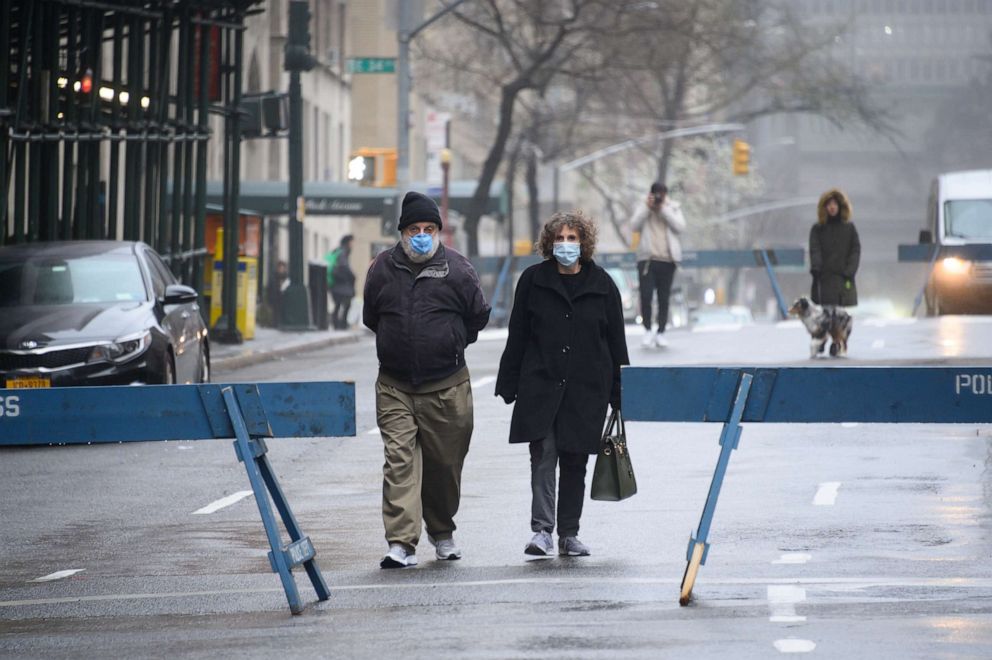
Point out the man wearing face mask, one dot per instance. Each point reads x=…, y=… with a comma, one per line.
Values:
x=561, y=367
x=424, y=303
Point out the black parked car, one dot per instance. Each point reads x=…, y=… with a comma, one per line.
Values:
x=96, y=313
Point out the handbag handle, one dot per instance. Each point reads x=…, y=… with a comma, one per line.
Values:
x=615, y=419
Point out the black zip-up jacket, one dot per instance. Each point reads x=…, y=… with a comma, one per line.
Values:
x=422, y=323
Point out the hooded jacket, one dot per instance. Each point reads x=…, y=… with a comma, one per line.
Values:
x=834, y=254
x=423, y=320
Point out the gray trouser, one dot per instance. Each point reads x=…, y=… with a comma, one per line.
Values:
x=425, y=440
x=544, y=457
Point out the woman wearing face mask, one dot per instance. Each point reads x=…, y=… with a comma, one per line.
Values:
x=561, y=366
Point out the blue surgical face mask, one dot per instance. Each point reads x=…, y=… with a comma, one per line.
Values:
x=567, y=253
x=421, y=243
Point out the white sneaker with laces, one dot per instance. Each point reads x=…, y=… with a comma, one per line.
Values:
x=660, y=341
x=541, y=545
x=571, y=546
x=398, y=557
x=445, y=548
x=650, y=336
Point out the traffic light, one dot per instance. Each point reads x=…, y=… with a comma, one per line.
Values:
x=297, y=48
x=362, y=169
x=373, y=167
x=741, y=157
x=86, y=82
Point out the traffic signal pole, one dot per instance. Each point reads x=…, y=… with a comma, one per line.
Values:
x=706, y=129
x=295, y=299
x=226, y=330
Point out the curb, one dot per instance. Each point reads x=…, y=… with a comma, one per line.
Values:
x=257, y=356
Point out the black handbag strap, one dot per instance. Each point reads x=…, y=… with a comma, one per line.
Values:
x=615, y=420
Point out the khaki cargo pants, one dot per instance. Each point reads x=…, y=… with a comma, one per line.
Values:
x=425, y=440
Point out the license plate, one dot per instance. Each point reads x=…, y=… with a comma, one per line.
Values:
x=23, y=382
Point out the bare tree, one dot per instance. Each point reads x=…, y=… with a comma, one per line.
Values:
x=697, y=60
x=516, y=48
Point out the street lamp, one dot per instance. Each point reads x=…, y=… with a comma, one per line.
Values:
x=445, y=168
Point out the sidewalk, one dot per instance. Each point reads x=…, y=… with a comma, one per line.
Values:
x=271, y=343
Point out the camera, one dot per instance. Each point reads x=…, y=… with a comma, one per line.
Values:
x=658, y=197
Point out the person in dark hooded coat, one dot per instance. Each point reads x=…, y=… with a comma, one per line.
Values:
x=561, y=366
x=834, y=252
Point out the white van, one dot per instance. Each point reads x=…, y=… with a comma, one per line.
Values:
x=959, y=213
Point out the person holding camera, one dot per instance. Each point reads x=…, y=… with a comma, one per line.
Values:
x=660, y=221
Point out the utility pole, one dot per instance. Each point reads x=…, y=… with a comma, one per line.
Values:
x=297, y=58
x=226, y=330
x=405, y=33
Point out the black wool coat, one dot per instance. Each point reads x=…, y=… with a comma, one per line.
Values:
x=562, y=358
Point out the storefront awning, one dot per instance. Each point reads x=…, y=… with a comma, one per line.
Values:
x=335, y=198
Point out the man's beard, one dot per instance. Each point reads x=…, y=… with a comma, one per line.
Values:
x=415, y=256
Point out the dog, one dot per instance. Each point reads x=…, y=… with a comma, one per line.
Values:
x=824, y=323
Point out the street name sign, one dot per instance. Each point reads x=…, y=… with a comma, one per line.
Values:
x=371, y=65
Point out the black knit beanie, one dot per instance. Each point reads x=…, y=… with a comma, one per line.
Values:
x=418, y=208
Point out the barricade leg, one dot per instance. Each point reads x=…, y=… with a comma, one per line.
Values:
x=289, y=520
x=729, y=438
x=783, y=309
x=249, y=450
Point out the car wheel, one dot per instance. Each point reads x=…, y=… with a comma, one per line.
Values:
x=169, y=370
x=204, y=375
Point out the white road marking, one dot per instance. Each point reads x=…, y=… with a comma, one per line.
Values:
x=793, y=645
x=480, y=382
x=223, y=502
x=826, y=494
x=793, y=558
x=58, y=575
x=782, y=599
x=374, y=431
x=853, y=585
x=849, y=425
x=882, y=323
x=878, y=344
x=494, y=334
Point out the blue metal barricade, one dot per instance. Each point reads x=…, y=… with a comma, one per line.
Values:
x=249, y=413
x=732, y=395
x=503, y=269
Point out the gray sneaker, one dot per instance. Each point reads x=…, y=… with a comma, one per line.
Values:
x=571, y=546
x=445, y=548
x=398, y=557
x=541, y=545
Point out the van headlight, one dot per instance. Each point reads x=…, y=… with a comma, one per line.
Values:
x=122, y=349
x=955, y=266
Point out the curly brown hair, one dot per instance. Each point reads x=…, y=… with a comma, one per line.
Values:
x=576, y=220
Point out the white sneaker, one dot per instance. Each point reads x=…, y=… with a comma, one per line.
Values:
x=541, y=545
x=445, y=548
x=398, y=557
x=650, y=336
x=660, y=341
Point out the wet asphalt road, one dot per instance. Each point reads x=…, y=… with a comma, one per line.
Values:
x=829, y=540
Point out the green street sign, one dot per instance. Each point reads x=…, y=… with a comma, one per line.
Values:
x=371, y=65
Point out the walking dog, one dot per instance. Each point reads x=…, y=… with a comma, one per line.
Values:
x=823, y=323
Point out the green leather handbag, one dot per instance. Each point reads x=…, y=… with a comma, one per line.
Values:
x=613, y=478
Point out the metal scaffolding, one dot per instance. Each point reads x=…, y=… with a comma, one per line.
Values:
x=104, y=129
